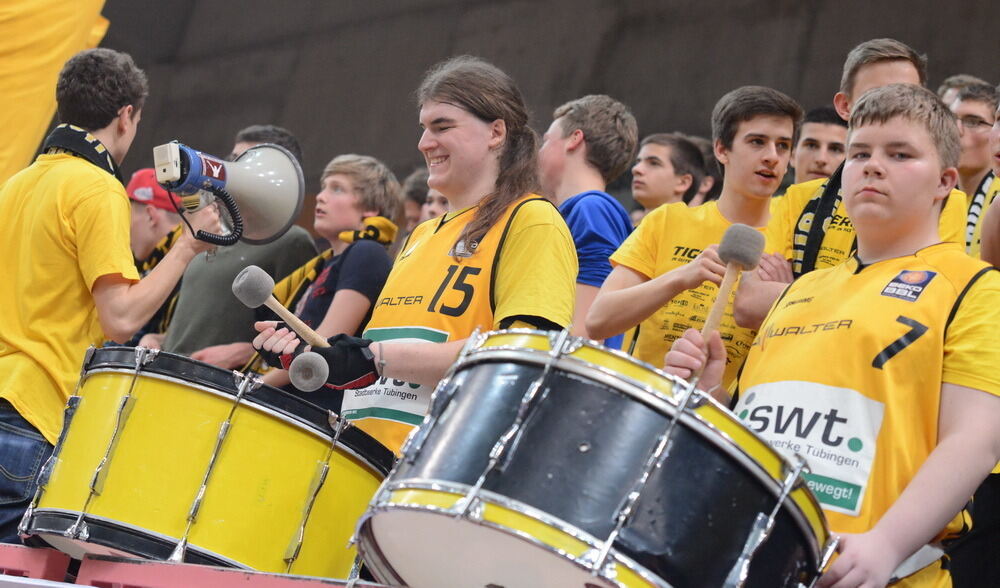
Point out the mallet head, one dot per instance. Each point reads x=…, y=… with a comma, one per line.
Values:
x=742, y=245
x=253, y=286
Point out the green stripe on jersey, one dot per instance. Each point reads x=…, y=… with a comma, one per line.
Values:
x=383, y=413
x=421, y=333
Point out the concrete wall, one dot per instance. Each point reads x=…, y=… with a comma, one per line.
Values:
x=341, y=73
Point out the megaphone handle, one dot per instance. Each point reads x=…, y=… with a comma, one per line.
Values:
x=301, y=329
x=234, y=213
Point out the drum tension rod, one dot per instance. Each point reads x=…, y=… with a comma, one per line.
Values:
x=828, y=550
x=247, y=383
x=50, y=464
x=504, y=447
x=762, y=527
x=596, y=559
x=79, y=530
x=319, y=479
x=440, y=399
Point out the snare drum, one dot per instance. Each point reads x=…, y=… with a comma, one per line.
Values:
x=546, y=460
x=165, y=457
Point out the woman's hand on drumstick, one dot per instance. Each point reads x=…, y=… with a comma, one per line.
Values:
x=865, y=560
x=275, y=340
x=689, y=354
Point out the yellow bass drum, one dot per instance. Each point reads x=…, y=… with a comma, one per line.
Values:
x=164, y=457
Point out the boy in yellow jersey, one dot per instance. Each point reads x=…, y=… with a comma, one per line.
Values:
x=501, y=257
x=813, y=245
x=69, y=277
x=667, y=272
x=975, y=107
x=880, y=371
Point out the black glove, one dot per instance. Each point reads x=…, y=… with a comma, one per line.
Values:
x=352, y=364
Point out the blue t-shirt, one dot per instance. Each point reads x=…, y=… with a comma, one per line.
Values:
x=599, y=225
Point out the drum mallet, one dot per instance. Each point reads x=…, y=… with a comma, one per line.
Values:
x=255, y=288
x=740, y=250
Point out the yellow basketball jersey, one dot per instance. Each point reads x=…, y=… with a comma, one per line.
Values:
x=668, y=238
x=440, y=292
x=848, y=366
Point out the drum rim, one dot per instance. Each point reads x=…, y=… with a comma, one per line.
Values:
x=656, y=400
x=504, y=502
x=353, y=440
x=115, y=526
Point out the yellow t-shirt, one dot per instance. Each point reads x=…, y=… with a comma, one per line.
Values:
x=791, y=221
x=71, y=226
x=977, y=205
x=668, y=238
x=525, y=265
x=848, y=366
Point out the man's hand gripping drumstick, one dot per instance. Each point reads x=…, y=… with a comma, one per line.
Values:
x=702, y=355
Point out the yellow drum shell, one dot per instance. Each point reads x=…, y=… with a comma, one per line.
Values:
x=259, y=488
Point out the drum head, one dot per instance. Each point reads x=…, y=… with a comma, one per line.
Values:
x=430, y=550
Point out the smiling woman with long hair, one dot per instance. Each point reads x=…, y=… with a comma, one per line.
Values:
x=501, y=257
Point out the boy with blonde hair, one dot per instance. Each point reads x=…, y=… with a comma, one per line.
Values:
x=902, y=428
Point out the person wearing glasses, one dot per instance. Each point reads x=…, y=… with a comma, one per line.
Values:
x=975, y=108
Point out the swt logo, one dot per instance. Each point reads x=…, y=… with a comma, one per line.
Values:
x=835, y=429
x=796, y=421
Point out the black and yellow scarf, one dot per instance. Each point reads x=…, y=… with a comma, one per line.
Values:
x=822, y=206
x=67, y=138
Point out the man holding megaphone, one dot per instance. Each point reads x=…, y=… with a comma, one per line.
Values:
x=71, y=279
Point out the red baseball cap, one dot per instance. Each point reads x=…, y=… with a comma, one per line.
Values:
x=144, y=188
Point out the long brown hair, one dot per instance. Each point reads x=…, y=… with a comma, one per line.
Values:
x=489, y=94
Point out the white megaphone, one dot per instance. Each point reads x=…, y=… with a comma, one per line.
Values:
x=262, y=190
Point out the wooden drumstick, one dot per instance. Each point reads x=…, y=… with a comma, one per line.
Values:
x=255, y=288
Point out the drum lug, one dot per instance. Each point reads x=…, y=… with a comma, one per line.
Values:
x=29, y=513
x=87, y=357
x=179, y=552
x=597, y=561
x=144, y=356
x=249, y=382
x=762, y=527
x=469, y=507
x=828, y=550
x=79, y=530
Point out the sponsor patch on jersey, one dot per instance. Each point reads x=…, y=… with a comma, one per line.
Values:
x=908, y=285
x=834, y=429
